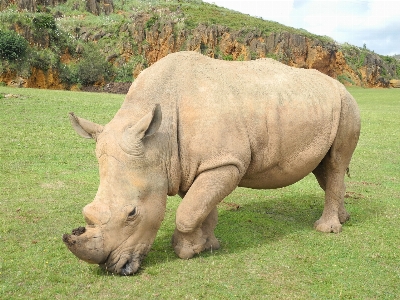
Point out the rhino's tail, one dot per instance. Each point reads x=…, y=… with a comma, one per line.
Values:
x=348, y=172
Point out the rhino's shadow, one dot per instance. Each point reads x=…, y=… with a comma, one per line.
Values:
x=264, y=221
x=244, y=226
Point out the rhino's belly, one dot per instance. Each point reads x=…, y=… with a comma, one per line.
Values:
x=271, y=179
x=280, y=174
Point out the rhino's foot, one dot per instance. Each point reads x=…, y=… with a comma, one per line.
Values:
x=328, y=226
x=343, y=216
x=212, y=243
x=187, y=244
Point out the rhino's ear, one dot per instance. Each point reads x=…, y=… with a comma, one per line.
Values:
x=85, y=128
x=149, y=124
x=133, y=135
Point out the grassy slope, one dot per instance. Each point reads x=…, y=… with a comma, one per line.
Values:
x=269, y=249
x=212, y=14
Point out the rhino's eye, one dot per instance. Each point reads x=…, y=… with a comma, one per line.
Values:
x=132, y=213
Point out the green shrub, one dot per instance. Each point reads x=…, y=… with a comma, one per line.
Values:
x=93, y=67
x=12, y=45
x=150, y=23
x=13, y=16
x=68, y=74
x=124, y=73
x=391, y=60
x=44, y=21
x=344, y=79
x=43, y=59
x=272, y=55
x=227, y=57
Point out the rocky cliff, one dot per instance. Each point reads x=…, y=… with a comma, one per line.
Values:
x=293, y=49
x=142, y=38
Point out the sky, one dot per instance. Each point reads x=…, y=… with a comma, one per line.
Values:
x=373, y=23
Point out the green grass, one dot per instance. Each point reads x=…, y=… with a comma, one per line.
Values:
x=269, y=248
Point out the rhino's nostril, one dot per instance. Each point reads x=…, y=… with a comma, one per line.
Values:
x=67, y=240
x=78, y=231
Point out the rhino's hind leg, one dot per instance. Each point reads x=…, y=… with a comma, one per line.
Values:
x=334, y=200
x=331, y=171
x=320, y=175
x=196, y=216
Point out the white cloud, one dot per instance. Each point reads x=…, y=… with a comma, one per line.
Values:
x=378, y=26
x=382, y=12
x=275, y=10
x=373, y=22
x=327, y=17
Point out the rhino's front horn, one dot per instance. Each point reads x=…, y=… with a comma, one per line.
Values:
x=86, y=244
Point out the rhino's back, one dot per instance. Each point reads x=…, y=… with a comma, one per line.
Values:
x=273, y=121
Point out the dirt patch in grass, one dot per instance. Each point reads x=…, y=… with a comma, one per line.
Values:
x=229, y=205
x=353, y=195
x=53, y=185
x=111, y=87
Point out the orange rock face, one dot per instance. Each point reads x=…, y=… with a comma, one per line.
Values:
x=395, y=83
x=219, y=42
x=44, y=80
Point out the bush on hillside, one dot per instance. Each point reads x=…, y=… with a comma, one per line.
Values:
x=12, y=45
x=68, y=73
x=93, y=68
x=124, y=73
x=42, y=21
x=43, y=59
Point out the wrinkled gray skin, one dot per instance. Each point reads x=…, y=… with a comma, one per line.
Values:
x=199, y=127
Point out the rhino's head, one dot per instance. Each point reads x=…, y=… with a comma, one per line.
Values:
x=123, y=219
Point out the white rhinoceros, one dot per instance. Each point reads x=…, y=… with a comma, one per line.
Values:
x=200, y=127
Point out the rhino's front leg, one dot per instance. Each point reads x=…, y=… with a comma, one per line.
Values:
x=204, y=237
x=208, y=227
x=196, y=216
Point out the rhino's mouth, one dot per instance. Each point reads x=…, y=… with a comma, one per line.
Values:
x=87, y=244
x=124, y=266
x=130, y=267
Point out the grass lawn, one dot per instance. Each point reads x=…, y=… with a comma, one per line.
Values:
x=269, y=247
